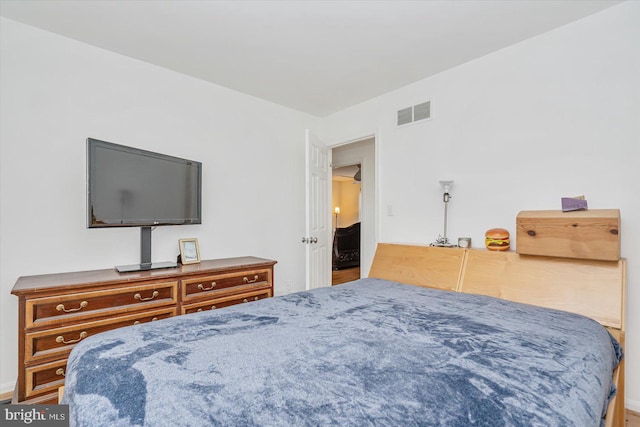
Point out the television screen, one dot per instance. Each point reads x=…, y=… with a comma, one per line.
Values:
x=129, y=187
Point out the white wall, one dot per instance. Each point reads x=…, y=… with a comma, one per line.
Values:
x=56, y=92
x=556, y=115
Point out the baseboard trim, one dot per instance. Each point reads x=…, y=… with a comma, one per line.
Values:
x=632, y=405
x=6, y=390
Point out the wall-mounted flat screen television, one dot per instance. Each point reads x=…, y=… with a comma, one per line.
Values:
x=130, y=187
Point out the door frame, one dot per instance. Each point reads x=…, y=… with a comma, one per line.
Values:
x=375, y=135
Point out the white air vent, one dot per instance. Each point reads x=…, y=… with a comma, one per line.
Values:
x=422, y=111
x=414, y=114
x=405, y=116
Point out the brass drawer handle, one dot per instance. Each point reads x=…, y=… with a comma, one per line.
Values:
x=247, y=300
x=255, y=279
x=213, y=307
x=139, y=297
x=60, y=307
x=60, y=371
x=60, y=338
x=137, y=322
x=202, y=288
x=199, y=310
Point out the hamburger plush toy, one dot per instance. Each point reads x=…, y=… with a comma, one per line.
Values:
x=497, y=239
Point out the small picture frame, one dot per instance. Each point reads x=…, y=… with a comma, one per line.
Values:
x=189, y=251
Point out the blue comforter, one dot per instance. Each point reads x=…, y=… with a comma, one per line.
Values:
x=366, y=353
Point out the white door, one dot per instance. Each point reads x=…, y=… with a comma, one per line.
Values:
x=318, y=214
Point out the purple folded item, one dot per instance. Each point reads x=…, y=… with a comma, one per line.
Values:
x=571, y=204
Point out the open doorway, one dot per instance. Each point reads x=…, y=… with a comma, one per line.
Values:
x=346, y=201
x=353, y=210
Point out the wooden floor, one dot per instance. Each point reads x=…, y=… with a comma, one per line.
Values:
x=632, y=419
x=346, y=275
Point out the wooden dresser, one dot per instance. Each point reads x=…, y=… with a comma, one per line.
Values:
x=56, y=311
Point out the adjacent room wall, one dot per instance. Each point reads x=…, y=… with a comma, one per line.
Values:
x=556, y=115
x=56, y=92
x=346, y=195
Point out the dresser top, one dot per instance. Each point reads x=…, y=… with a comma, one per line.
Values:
x=45, y=282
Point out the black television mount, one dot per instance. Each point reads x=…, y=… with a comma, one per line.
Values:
x=145, y=256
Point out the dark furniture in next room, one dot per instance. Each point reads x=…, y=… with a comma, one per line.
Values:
x=346, y=247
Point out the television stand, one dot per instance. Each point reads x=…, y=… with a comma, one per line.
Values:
x=145, y=256
x=147, y=266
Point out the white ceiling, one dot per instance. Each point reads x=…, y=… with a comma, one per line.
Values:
x=313, y=56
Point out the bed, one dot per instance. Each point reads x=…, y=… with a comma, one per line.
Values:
x=434, y=336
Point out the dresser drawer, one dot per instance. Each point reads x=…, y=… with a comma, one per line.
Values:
x=42, y=399
x=58, y=342
x=238, y=282
x=225, y=301
x=64, y=309
x=45, y=378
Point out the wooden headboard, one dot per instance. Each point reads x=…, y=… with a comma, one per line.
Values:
x=425, y=266
x=595, y=289
x=591, y=288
